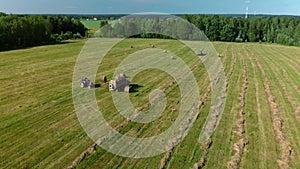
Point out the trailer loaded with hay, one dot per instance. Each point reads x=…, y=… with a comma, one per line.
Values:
x=120, y=84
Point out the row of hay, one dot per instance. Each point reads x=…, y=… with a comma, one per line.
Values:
x=186, y=125
x=89, y=151
x=232, y=66
x=239, y=146
x=202, y=160
x=285, y=146
x=205, y=146
x=183, y=129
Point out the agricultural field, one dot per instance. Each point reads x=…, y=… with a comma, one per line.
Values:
x=92, y=25
x=259, y=128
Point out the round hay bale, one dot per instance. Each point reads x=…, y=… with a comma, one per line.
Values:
x=151, y=45
x=127, y=89
x=172, y=57
x=103, y=79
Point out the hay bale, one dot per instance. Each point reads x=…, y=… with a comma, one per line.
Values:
x=127, y=89
x=103, y=79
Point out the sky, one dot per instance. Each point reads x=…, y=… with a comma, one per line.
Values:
x=275, y=7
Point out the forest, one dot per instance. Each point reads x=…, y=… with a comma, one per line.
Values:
x=277, y=29
x=23, y=31
x=30, y=30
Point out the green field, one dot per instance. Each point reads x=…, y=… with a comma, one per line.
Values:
x=92, y=25
x=260, y=126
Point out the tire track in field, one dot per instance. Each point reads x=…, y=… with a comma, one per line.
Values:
x=278, y=126
x=239, y=146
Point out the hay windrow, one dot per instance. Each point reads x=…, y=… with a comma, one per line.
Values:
x=278, y=124
x=239, y=146
x=205, y=146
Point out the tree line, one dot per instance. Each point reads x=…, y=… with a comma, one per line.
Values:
x=156, y=26
x=23, y=31
x=278, y=29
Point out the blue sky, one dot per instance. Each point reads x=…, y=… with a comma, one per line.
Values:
x=136, y=6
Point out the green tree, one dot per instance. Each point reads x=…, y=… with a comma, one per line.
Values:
x=227, y=33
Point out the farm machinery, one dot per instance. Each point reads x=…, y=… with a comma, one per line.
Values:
x=85, y=82
x=120, y=84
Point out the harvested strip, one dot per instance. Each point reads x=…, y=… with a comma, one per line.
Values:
x=202, y=160
x=89, y=151
x=165, y=159
x=290, y=81
x=239, y=146
x=288, y=96
x=285, y=146
x=205, y=146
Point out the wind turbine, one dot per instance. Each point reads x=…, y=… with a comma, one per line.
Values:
x=247, y=8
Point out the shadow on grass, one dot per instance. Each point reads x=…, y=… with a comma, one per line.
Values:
x=97, y=85
x=7, y=48
x=134, y=88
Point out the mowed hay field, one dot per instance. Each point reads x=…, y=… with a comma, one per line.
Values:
x=260, y=126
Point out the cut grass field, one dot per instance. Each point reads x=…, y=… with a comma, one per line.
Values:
x=39, y=128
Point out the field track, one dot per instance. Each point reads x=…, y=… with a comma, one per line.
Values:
x=260, y=126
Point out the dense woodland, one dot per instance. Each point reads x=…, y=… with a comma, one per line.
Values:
x=278, y=29
x=283, y=30
x=22, y=31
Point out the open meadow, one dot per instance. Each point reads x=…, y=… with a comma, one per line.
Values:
x=260, y=126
